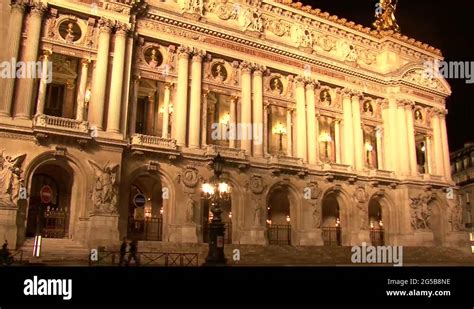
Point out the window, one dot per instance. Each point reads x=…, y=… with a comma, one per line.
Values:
x=421, y=154
x=370, y=147
x=54, y=99
x=327, y=144
x=218, y=119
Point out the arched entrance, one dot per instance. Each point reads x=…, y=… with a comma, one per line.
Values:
x=50, y=201
x=279, y=217
x=145, y=209
x=331, y=221
x=226, y=216
x=377, y=231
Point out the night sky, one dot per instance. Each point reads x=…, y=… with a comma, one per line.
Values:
x=440, y=24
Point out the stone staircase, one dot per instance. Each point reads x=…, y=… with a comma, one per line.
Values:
x=68, y=252
x=56, y=251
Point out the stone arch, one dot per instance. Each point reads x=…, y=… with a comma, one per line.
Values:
x=294, y=207
x=78, y=200
x=389, y=215
x=237, y=207
x=338, y=194
x=160, y=176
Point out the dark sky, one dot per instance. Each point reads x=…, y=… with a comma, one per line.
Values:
x=441, y=24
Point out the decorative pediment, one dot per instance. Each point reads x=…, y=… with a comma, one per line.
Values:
x=420, y=77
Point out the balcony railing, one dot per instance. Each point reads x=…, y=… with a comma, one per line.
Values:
x=285, y=160
x=59, y=123
x=226, y=152
x=155, y=142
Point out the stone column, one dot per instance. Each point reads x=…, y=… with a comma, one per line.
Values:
x=301, y=141
x=411, y=137
x=258, y=111
x=204, y=118
x=82, y=89
x=444, y=145
x=181, y=106
x=348, y=146
x=266, y=132
x=289, y=130
x=15, y=23
x=311, y=123
x=402, y=141
x=150, y=115
x=437, y=144
x=337, y=136
x=246, y=117
x=166, y=111
x=43, y=83
x=116, y=83
x=30, y=54
x=195, y=106
x=428, y=156
x=96, y=106
x=358, y=133
x=233, y=122
x=133, y=114
x=387, y=154
x=379, y=147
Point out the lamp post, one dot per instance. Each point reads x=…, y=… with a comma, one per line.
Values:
x=280, y=130
x=326, y=138
x=216, y=191
x=369, y=148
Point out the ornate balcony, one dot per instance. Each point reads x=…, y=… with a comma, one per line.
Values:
x=60, y=126
x=286, y=161
x=151, y=143
x=229, y=153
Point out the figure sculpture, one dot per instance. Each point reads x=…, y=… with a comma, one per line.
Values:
x=10, y=179
x=105, y=192
x=385, y=16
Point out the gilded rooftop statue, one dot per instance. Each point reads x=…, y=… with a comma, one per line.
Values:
x=385, y=16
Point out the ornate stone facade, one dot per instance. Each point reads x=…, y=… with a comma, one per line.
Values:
x=322, y=123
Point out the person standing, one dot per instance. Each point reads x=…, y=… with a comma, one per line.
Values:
x=123, y=250
x=133, y=253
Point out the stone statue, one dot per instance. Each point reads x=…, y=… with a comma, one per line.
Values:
x=317, y=215
x=385, y=16
x=70, y=33
x=10, y=179
x=153, y=58
x=192, y=6
x=456, y=216
x=105, y=192
x=190, y=205
x=361, y=198
x=257, y=216
x=420, y=212
x=251, y=20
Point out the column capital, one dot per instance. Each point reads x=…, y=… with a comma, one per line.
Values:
x=234, y=98
x=168, y=85
x=346, y=93
x=198, y=55
x=45, y=53
x=311, y=84
x=184, y=52
x=259, y=70
x=357, y=95
x=300, y=81
x=290, y=110
x=105, y=25
x=136, y=77
x=85, y=61
x=382, y=102
x=246, y=67
x=37, y=9
x=122, y=29
x=18, y=5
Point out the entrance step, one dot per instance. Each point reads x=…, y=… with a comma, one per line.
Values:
x=56, y=249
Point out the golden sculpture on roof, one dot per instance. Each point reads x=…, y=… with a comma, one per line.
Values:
x=385, y=16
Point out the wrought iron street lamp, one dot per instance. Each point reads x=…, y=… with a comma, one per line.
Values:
x=216, y=191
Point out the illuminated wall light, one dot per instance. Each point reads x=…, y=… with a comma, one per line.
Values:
x=288, y=219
